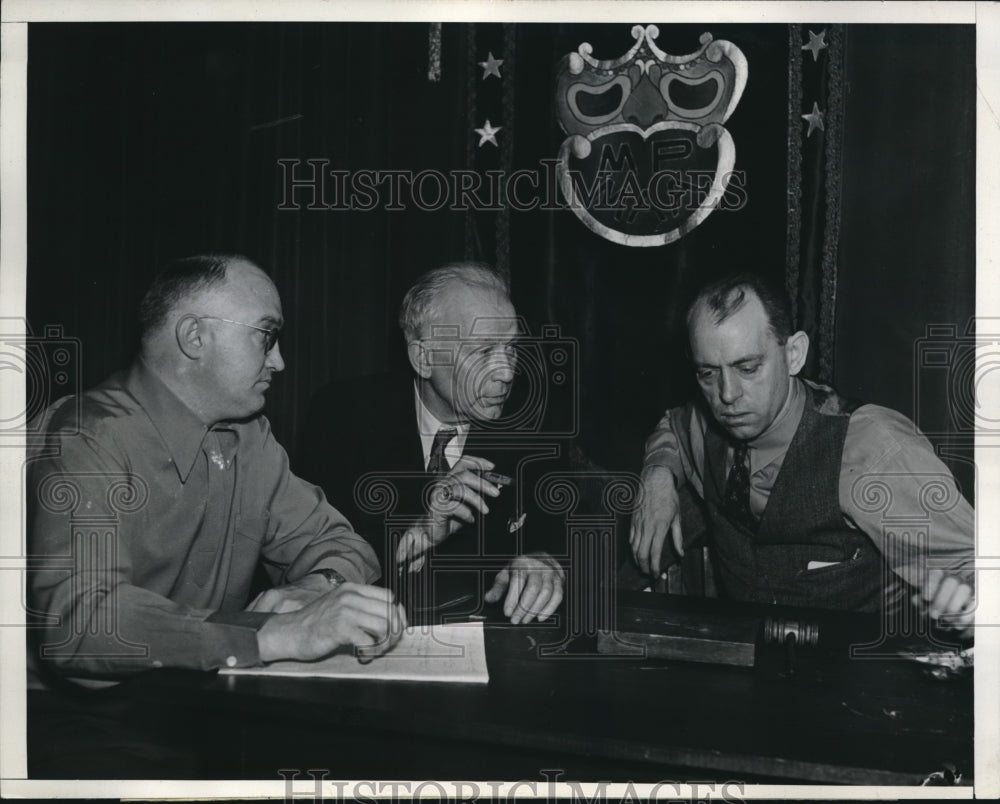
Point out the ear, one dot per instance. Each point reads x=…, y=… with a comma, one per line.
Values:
x=796, y=350
x=188, y=333
x=418, y=359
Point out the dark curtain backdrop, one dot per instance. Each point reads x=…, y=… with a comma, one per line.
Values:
x=907, y=258
x=148, y=141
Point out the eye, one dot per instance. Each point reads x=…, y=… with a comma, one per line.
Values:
x=705, y=375
x=270, y=339
x=749, y=370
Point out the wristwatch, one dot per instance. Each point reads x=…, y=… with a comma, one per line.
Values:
x=332, y=576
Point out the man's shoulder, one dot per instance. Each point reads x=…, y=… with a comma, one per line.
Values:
x=873, y=431
x=104, y=407
x=882, y=425
x=827, y=401
x=106, y=417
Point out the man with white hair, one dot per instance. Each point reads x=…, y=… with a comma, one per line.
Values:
x=464, y=478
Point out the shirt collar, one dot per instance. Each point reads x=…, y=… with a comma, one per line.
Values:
x=428, y=425
x=775, y=440
x=180, y=430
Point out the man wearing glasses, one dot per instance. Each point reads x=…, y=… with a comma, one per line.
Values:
x=175, y=459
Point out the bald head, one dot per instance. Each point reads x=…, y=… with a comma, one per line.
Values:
x=210, y=328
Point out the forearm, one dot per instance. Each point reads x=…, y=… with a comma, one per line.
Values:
x=337, y=547
x=123, y=629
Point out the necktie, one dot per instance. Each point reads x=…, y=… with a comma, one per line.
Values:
x=736, y=499
x=438, y=463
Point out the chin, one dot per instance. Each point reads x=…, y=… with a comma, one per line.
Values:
x=487, y=413
x=743, y=432
x=256, y=407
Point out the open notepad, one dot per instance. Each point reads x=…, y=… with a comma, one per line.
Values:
x=424, y=653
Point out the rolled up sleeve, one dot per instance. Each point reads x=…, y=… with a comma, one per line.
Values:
x=677, y=443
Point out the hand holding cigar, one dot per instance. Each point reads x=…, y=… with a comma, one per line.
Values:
x=455, y=501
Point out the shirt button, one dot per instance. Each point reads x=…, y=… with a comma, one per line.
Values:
x=157, y=663
x=231, y=661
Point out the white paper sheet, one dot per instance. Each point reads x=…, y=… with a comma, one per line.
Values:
x=451, y=653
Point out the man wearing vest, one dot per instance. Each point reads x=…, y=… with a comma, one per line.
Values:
x=786, y=469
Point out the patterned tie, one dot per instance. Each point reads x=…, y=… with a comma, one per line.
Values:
x=736, y=499
x=438, y=463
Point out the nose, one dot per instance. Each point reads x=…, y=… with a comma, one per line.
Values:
x=274, y=361
x=730, y=388
x=503, y=368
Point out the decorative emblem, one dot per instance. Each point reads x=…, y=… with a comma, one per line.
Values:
x=647, y=158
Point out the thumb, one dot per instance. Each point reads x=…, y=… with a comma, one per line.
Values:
x=403, y=549
x=255, y=603
x=499, y=587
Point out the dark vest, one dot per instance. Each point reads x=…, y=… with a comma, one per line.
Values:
x=802, y=522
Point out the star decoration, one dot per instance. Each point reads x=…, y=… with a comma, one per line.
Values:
x=817, y=42
x=814, y=119
x=488, y=133
x=491, y=66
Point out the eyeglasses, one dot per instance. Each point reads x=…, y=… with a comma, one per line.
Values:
x=270, y=335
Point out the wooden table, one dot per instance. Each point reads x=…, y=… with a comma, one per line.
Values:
x=836, y=719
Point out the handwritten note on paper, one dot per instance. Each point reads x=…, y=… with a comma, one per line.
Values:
x=454, y=653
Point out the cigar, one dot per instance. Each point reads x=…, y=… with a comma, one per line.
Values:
x=497, y=479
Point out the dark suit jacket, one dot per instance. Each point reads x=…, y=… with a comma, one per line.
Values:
x=361, y=445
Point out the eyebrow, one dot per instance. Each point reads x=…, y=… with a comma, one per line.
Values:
x=493, y=339
x=270, y=319
x=744, y=359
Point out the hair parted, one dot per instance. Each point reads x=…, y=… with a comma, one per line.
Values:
x=178, y=280
x=420, y=303
x=725, y=296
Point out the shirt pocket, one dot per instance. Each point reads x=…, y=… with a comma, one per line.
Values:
x=252, y=526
